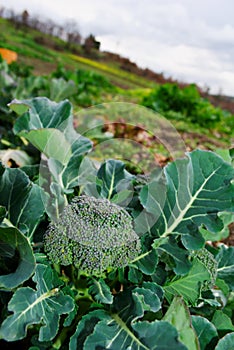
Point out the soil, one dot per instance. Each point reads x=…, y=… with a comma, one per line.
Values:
x=230, y=239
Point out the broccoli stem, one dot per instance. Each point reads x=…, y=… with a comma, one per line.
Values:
x=83, y=299
x=84, y=302
x=57, y=268
x=84, y=296
x=61, y=338
x=139, y=257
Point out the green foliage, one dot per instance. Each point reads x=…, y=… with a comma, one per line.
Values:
x=23, y=200
x=84, y=88
x=99, y=328
x=226, y=342
x=188, y=286
x=195, y=186
x=225, y=259
x=206, y=331
x=207, y=259
x=20, y=69
x=88, y=85
x=222, y=322
x=100, y=291
x=176, y=103
x=94, y=257
x=178, y=315
x=41, y=306
x=17, y=262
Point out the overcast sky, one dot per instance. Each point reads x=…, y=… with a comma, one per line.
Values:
x=189, y=40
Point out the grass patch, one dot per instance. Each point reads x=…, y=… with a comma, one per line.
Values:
x=128, y=77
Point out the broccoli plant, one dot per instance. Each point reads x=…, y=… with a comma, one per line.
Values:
x=92, y=234
x=94, y=257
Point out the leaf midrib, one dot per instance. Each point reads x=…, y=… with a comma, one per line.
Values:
x=123, y=325
x=39, y=300
x=188, y=206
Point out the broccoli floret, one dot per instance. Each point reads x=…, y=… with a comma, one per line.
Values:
x=93, y=235
x=207, y=259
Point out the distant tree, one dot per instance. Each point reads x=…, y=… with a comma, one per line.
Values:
x=49, y=27
x=58, y=31
x=91, y=43
x=68, y=32
x=206, y=89
x=25, y=18
x=41, y=25
x=11, y=15
x=73, y=35
x=34, y=22
x=2, y=10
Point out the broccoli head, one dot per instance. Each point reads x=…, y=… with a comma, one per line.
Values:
x=207, y=259
x=93, y=235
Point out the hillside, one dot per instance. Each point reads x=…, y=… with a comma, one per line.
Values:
x=45, y=53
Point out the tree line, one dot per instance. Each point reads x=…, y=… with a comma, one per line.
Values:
x=69, y=31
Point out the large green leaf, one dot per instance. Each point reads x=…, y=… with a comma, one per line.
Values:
x=17, y=262
x=198, y=188
x=114, y=178
x=158, y=335
x=121, y=329
x=206, y=332
x=226, y=343
x=40, y=113
x=51, y=142
x=49, y=127
x=68, y=175
x=178, y=315
x=22, y=199
x=188, y=286
x=144, y=335
x=59, y=179
x=42, y=306
x=61, y=89
x=222, y=321
x=84, y=328
x=225, y=259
